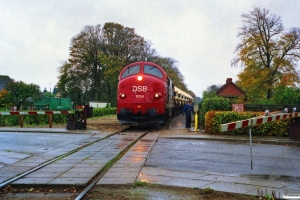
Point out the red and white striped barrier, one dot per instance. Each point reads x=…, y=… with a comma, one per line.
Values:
x=256, y=121
x=235, y=125
x=278, y=116
x=64, y=112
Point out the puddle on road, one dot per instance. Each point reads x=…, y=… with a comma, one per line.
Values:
x=272, y=177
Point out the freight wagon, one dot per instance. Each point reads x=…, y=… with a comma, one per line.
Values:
x=50, y=103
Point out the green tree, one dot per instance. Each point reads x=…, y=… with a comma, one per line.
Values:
x=112, y=67
x=210, y=92
x=22, y=94
x=47, y=94
x=55, y=90
x=267, y=52
x=63, y=78
x=71, y=84
x=286, y=95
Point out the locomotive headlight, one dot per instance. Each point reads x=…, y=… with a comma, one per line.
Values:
x=139, y=78
x=122, y=95
x=157, y=95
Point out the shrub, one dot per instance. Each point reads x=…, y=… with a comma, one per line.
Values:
x=215, y=103
x=97, y=112
x=14, y=120
x=10, y=120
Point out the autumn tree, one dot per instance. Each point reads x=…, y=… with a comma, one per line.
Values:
x=149, y=53
x=122, y=46
x=22, y=94
x=85, y=71
x=3, y=94
x=97, y=56
x=169, y=65
x=122, y=42
x=268, y=54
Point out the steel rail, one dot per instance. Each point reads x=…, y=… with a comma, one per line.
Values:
x=5, y=183
x=107, y=167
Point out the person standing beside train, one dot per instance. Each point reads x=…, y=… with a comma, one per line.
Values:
x=188, y=109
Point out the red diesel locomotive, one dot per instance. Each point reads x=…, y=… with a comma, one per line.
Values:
x=146, y=95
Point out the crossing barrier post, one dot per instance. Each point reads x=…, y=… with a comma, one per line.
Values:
x=250, y=141
x=196, y=120
x=21, y=121
x=50, y=121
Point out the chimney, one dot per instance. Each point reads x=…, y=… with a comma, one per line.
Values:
x=229, y=80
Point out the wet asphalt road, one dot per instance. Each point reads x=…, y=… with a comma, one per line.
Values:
x=225, y=158
x=35, y=143
x=183, y=155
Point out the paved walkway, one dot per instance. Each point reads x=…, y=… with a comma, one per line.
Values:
x=130, y=167
x=126, y=170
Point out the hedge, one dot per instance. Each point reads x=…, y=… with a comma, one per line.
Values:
x=97, y=112
x=14, y=120
x=213, y=119
x=215, y=103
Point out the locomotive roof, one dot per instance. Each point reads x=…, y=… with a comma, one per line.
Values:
x=142, y=63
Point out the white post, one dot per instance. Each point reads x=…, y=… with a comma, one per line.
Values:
x=250, y=138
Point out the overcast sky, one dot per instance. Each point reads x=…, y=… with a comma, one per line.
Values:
x=200, y=34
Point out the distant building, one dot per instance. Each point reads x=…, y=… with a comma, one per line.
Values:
x=99, y=104
x=4, y=80
x=230, y=90
x=58, y=95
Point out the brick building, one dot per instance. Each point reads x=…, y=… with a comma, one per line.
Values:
x=230, y=90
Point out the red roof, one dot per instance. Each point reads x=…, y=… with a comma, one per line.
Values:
x=230, y=90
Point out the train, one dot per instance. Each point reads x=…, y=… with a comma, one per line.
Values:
x=147, y=96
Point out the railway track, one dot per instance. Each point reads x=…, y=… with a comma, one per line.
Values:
x=82, y=168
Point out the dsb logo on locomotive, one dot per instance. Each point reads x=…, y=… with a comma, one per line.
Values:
x=139, y=89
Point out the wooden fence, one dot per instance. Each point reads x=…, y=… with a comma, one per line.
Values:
x=271, y=108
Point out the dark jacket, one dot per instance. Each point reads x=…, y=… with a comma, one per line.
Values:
x=188, y=108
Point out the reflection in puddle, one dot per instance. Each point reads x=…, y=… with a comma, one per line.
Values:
x=272, y=177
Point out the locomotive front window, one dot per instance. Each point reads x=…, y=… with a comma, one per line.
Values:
x=148, y=69
x=131, y=71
